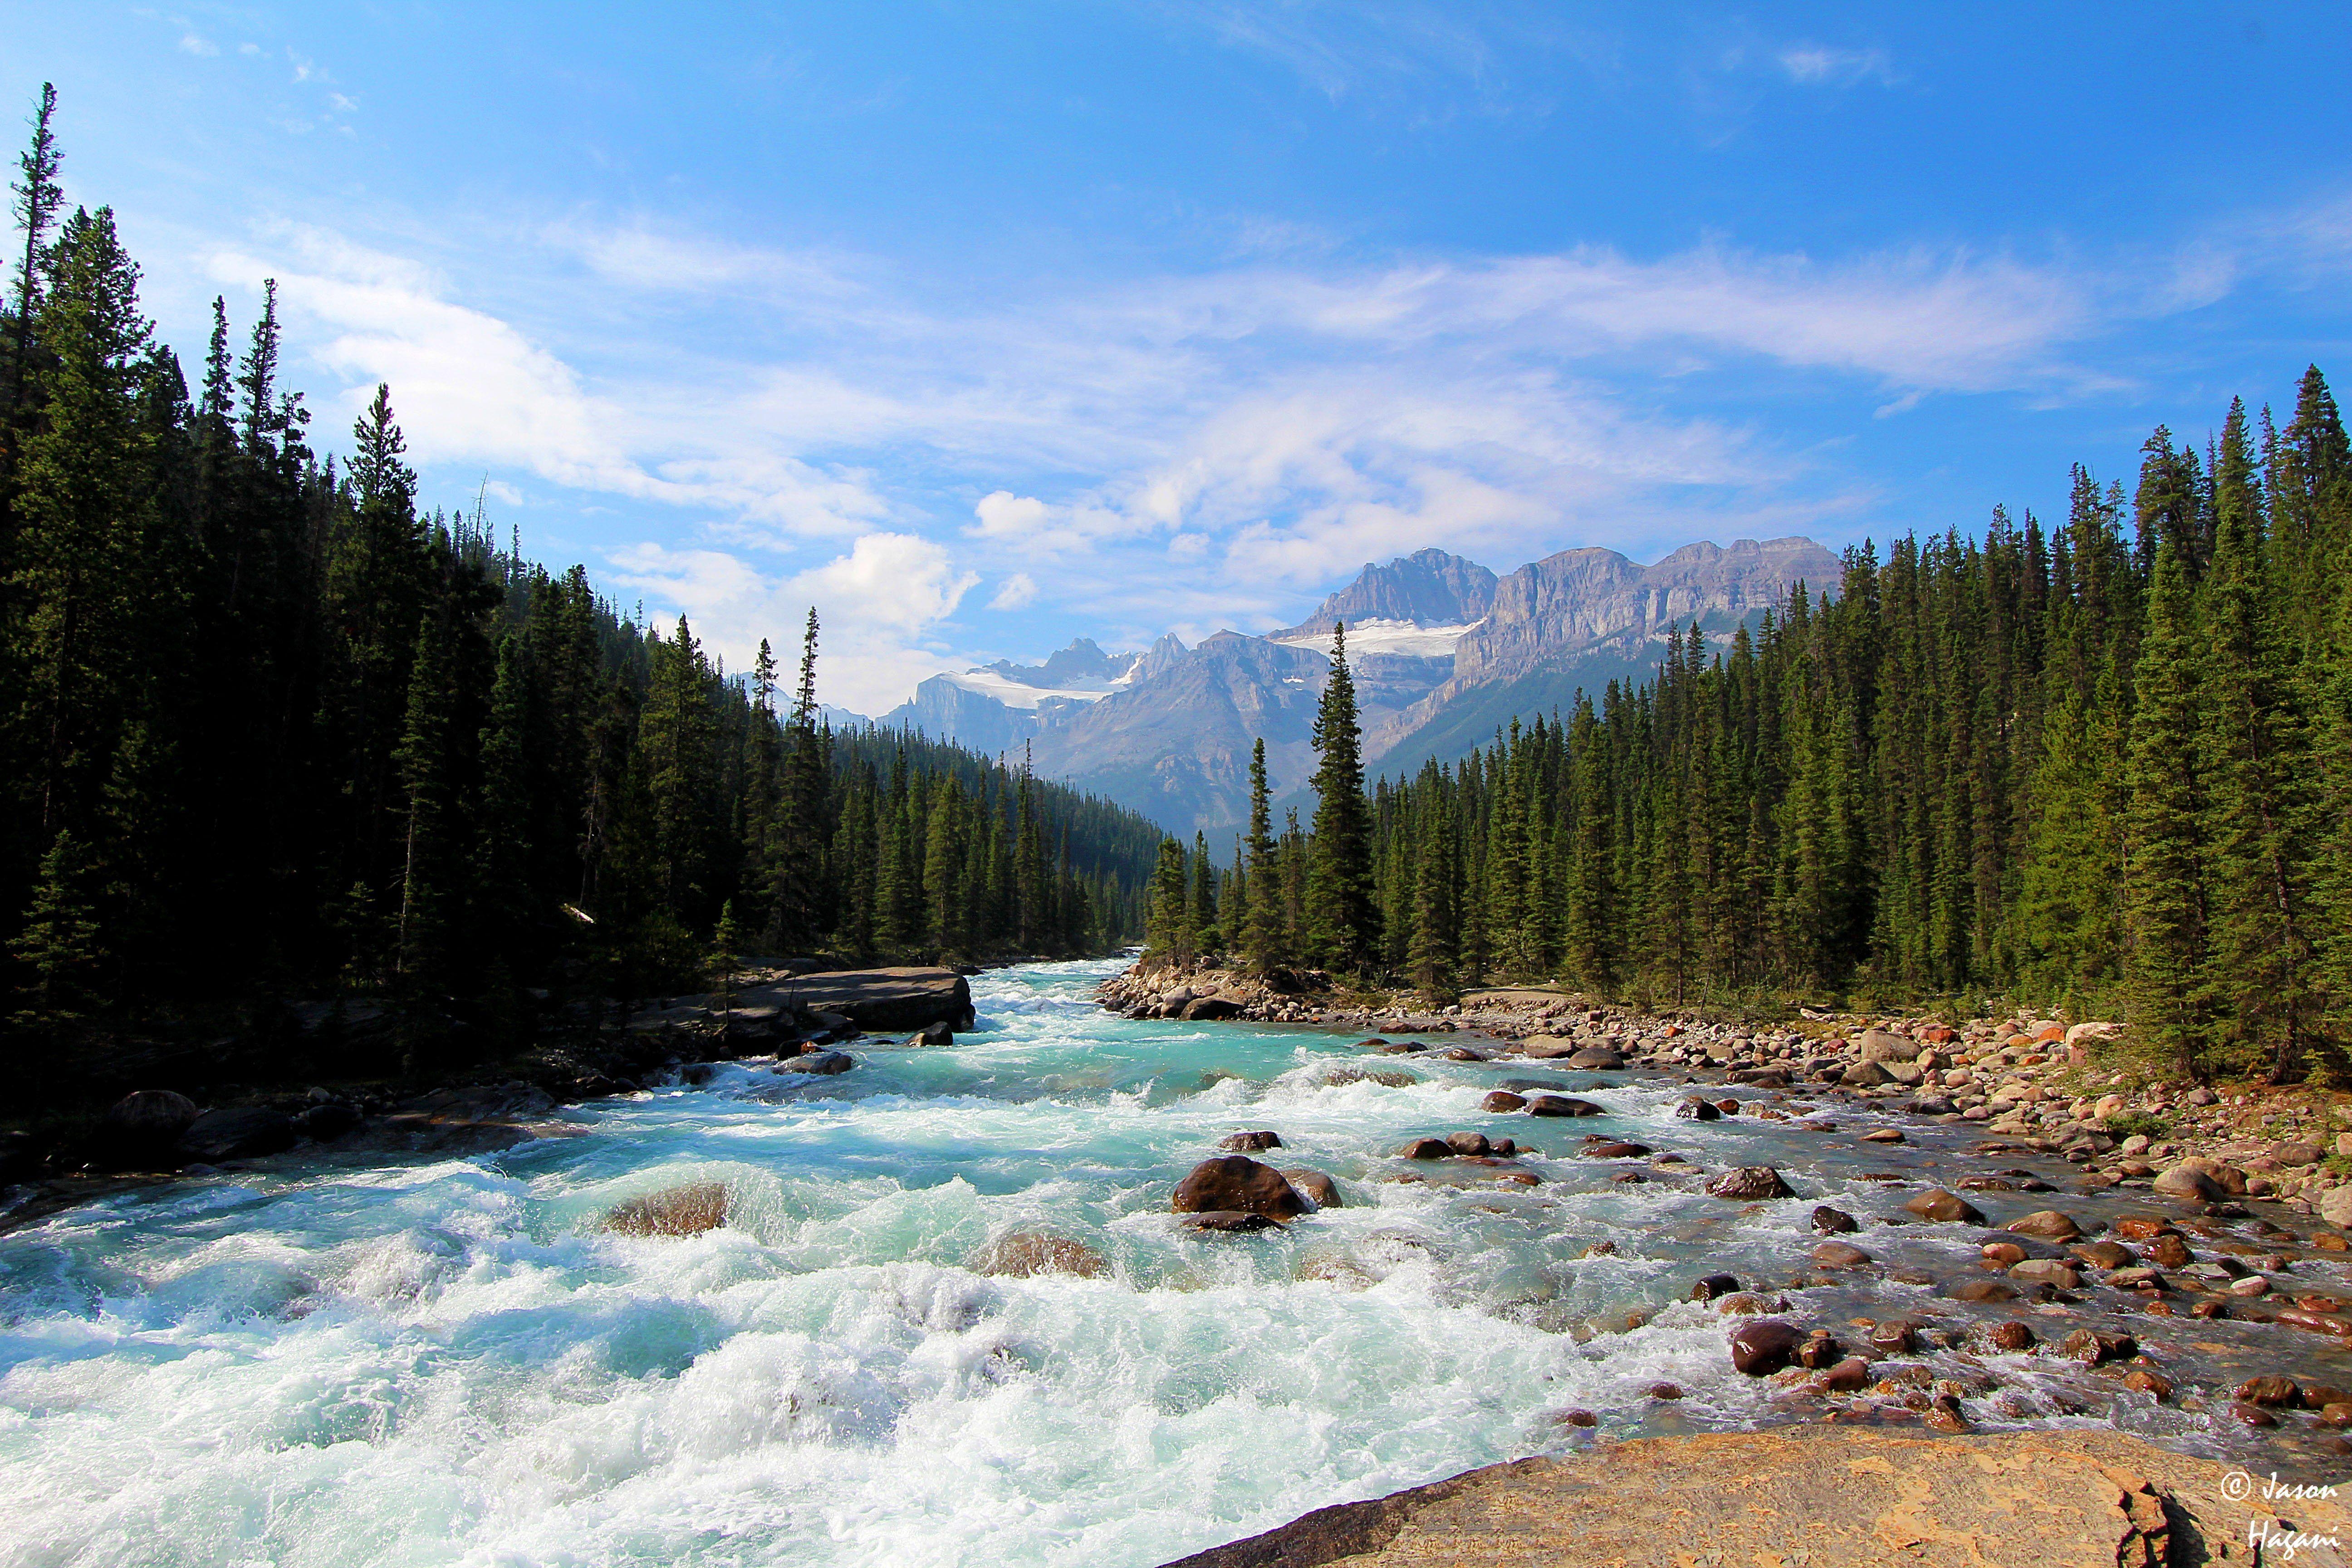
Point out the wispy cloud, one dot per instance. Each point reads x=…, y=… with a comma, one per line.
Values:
x=1208, y=446
x=196, y=44
x=1816, y=65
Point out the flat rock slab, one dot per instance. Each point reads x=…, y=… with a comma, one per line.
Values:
x=1823, y=1497
x=898, y=998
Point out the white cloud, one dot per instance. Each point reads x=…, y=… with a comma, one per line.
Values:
x=197, y=45
x=248, y=48
x=878, y=605
x=1018, y=591
x=1813, y=64
x=470, y=387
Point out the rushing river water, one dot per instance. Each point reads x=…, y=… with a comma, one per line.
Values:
x=324, y=1363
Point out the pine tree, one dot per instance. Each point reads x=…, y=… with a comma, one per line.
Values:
x=1342, y=920
x=2167, y=899
x=1168, y=939
x=1265, y=921
x=2260, y=825
x=1430, y=961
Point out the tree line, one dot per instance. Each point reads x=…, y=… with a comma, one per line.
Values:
x=2105, y=763
x=270, y=729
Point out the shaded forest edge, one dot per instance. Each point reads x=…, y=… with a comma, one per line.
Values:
x=286, y=755
x=2102, y=768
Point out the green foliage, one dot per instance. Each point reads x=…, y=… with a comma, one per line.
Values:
x=2138, y=1124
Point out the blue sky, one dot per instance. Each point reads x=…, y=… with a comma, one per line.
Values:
x=986, y=326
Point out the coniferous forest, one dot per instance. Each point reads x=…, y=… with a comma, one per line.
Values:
x=2105, y=762
x=271, y=731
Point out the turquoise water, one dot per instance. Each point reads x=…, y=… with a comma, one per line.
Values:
x=449, y=1362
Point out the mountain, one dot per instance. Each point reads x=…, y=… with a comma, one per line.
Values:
x=1443, y=653
x=1575, y=621
x=1427, y=588
x=1177, y=740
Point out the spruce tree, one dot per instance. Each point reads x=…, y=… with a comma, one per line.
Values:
x=1342, y=920
x=2167, y=905
x=1264, y=922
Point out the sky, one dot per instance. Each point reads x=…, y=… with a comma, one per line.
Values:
x=983, y=327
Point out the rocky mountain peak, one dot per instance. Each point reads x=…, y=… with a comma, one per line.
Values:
x=1429, y=588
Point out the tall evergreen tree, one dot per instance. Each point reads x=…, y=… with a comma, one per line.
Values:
x=1342, y=920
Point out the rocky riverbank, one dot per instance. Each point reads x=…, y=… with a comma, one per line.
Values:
x=1823, y=1497
x=2041, y=1084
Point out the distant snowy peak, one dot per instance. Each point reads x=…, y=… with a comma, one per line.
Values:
x=1404, y=639
x=1081, y=668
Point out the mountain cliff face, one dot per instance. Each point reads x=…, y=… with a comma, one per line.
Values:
x=1429, y=588
x=1177, y=739
x=1568, y=601
x=1442, y=650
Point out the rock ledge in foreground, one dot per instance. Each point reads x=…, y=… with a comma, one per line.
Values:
x=1831, y=1497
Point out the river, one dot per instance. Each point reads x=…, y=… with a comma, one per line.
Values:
x=346, y=1362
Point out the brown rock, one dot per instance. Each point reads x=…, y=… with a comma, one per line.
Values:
x=2011, y=1336
x=1249, y=1142
x=2095, y=1349
x=1714, y=1285
x=1945, y=1208
x=2270, y=1393
x=1426, y=1149
x=2049, y=1223
x=1673, y=1390
x=1229, y=1220
x=1847, y=1377
x=1763, y=1346
x=1317, y=1188
x=2047, y=1271
x=1695, y=1109
x=1028, y=1253
x=1613, y=1151
x=2190, y=1184
x=1504, y=1100
x=1562, y=1105
x=2154, y=1384
x=686, y=1210
x=1839, y=1255
x=1983, y=1290
x=1833, y=1221
x=1235, y=1182
x=2104, y=1254
x=2003, y=1252
x=1469, y=1144
x=1749, y=1183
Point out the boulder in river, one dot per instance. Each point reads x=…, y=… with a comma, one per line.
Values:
x=1749, y=1183
x=1503, y=1099
x=1840, y=1255
x=1833, y=1221
x=1426, y=1149
x=1235, y=1182
x=2050, y=1224
x=1714, y=1285
x=1471, y=1144
x=146, y=1122
x=2054, y=1271
x=1610, y=1150
x=1317, y=1187
x=1762, y=1346
x=2189, y=1184
x=935, y=1033
x=1697, y=1107
x=1562, y=1105
x=245, y=1133
x=1026, y=1253
x=1596, y=1058
x=825, y=1063
x=906, y=998
x=1210, y=1008
x=1945, y=1208
x=688, y=1210
x=1230, y=1220
x=1249, y=1142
